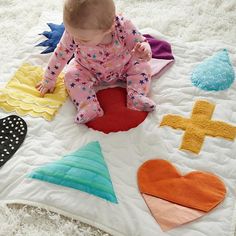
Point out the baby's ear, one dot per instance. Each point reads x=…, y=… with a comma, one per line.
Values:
x=113, y=26
x=111, y=29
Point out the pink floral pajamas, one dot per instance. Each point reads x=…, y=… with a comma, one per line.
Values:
x=102, y=65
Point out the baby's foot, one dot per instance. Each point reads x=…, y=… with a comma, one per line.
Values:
x=88, y=113
x=140, y=103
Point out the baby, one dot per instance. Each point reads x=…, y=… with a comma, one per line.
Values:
x=106, y=48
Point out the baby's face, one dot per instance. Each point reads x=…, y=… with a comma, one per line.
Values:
x=86, y=37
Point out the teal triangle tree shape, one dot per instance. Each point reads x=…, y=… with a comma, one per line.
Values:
x=85, y=170
x=214, y=73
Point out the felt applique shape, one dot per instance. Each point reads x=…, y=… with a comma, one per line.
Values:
x=21, y=96
x=53, y=37
x=215, y=73
x=175, y=199
x=85, y=170
x=199, y=126
x=12, y=134
x=117, y=117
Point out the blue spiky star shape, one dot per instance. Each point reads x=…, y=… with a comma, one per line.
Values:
x=84, y=170
x=53, y=37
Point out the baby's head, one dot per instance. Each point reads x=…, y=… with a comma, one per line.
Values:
x=88, y=21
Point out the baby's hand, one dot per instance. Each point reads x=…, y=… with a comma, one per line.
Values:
x=46, y=86
x=142, y=51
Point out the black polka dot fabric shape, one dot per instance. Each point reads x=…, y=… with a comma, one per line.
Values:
x=13, y=130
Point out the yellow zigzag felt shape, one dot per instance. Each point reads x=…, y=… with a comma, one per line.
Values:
x=21, y=96
x=199, y=126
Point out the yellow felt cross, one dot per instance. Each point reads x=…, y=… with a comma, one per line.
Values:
x=199, y=126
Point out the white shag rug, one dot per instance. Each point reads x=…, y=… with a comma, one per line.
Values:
x=188, y=20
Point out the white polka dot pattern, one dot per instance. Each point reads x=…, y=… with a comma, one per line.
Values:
x=12, y=134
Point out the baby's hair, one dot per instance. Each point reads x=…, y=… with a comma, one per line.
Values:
x=89, y=14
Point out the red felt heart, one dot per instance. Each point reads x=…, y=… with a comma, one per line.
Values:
x=117, y=117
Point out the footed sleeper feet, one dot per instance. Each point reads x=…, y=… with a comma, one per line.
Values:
x=140, y=103
x=88, y=113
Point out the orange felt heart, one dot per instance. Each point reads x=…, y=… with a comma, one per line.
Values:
x=197, y=190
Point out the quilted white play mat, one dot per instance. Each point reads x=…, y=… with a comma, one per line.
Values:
x=173, y=174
